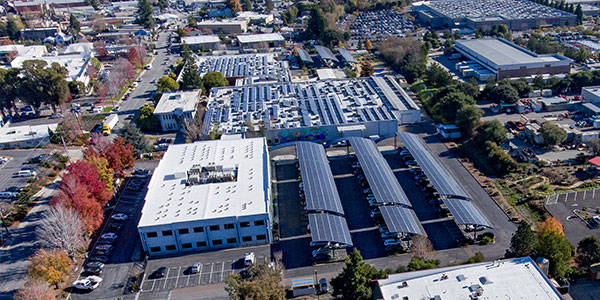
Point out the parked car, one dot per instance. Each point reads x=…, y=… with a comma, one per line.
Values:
x=249, y=259
x=8, y=195
x=38, y=159
x=391, y=242
x=100, y=258
x=14, y=189
x=95, y=264
x=323, y=286
x=26, y=173
x=321, y=251
x=116, y=226
x=119, y=217
x=195, y=268
x=109, y=236
x=93, y=271
x=89, y=283
x=104, y=247
x=159, y=273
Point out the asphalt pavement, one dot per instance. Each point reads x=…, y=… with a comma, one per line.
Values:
x=18, y=158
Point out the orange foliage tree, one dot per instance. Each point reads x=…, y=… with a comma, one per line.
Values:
x=551, y=224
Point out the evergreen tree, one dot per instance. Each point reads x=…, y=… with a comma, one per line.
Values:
x=316, y=24
x=247, y=5
x=579, y=13
x=190, y=79
x=145, y=14
x=269, y=6
x=74, y=26
x=12, y=29
x=136, y=138
x=354, y=282
x=523, y=241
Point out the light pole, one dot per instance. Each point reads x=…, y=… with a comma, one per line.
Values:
x=316, y=286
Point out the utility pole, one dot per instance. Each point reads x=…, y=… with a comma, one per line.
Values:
x=8, y=236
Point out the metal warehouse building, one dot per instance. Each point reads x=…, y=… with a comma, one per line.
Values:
x=313, y=111
x=208, y=195
x=516, y=14
x=507, y=60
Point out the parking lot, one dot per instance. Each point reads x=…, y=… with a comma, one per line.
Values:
x=17, y=160
x=214, y=268
x=127, y=247
x=562, y=206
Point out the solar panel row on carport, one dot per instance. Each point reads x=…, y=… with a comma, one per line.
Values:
x=440, y=178
x=380, y=176
x=326, y=227
x=399, y=219
x=319, y=187
x=465, y=212
x=325, y=53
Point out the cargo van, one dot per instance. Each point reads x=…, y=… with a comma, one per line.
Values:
x=26, y=173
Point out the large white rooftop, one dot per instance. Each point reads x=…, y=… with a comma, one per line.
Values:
x=517, y=278
x=74, y=63
x=169, y=200
x=201, y=39
x=25, y=133
x=260, y=37
x=182, y=100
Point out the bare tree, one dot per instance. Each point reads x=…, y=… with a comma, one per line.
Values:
x=35, y=290
x=192, y=129
x=98, y=23
x=62, y=228
x=422, y=247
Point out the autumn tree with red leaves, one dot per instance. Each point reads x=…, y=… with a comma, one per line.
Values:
x=73, y=193
x=118, y=152
x=133, y=56
x=89, y=176
x=100, y=47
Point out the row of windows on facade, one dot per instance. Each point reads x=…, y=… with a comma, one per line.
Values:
x=171, y=126
x=260, y=237
x=201, y=229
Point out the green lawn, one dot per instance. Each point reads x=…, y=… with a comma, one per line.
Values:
x=107, y=109
x=92, y=118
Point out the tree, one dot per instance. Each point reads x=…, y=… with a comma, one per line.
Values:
x=523, y=241
x=366, y=69
x=167, y=84
x=492, y=131
x=418, y=263
x=92, y=3
x=190, y=79
x=136, y=138
x=579, y=13
x=504, y=93
x=50, y=266
x=72, y=193
x=259, y=282
x=437, y=77
x=100, y=47
x=234, y=5
x=405, y=55
x=551, y=224
x=88, y=175
x=35, y=290
x=214, y=79
x=117, y=152
x=421, y=246
x=589, y=249
x=74, y=26
x=9, y=81
x=162, y=4
x=354, y=282
x=368, y=45
x=105, y=172
x=147, y=120
x=316, y=24
x=144, y=13
x=99, y=24
x=192, y=21
x=556, y=248
x=76, y=88
x=468, y=118
x=247, y=5
x=290, y=14
x=192, y=129
x=553, y=134
x=269, y=6
x=447, y=105
x=332, y=37
x=594, y=146
x=61, y=228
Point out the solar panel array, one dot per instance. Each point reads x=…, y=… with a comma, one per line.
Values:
x=325, y=53
x=346, y=55
x=319, y=187
x=440, y=178
x=380, y=176
x=465, y=212
x=326, y=227
x=246, y=65
x=304, y=56
x=400, y=219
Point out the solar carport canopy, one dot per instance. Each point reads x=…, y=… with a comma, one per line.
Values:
x=330, y=228
x=466, y=213
x=325, y=53
x=380, y=176
x=399, y=219
x=319, y=187
x=441, y=179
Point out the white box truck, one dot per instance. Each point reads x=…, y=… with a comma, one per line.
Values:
x=109, y=123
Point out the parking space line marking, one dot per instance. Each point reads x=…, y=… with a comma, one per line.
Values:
x=584, y=193
x=177, y=280
x=212, y=265
x=200, y=273
x=166, y=277
x=188, y=280
x=153, y=283
x=222, y=269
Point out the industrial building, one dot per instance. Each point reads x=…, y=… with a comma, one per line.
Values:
x=261, y=40
x=314, y=111
x=174, y=108
x=208, y=195
x=196, y=43
x=26, y=136
x=475, y=14
x=225, y=26
x=504, y=59
x=249, y=68
x=515, y=278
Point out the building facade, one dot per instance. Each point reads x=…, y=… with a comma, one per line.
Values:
x=208, y=195
x=175, y=108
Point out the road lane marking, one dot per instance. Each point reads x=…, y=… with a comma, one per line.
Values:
x=200, y=273
x=177, y=280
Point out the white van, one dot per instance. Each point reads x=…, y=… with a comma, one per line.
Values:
x=26, y=173
x=7, y=195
